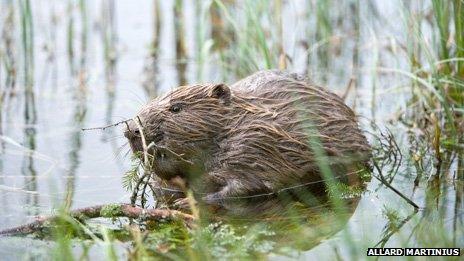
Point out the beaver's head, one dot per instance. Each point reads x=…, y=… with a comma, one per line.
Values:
x=181, y=129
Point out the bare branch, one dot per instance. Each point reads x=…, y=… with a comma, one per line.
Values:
x=107, y=126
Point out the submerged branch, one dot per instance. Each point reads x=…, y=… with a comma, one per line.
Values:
x=391, y=156
x=382, y=179
x=107, y=211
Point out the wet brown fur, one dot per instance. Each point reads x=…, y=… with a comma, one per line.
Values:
x=253, y=137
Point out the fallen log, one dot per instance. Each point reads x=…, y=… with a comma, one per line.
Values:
x=107, y=211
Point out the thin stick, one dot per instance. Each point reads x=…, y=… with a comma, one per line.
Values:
x=143, y=200
x=138, y=122
x=121, y=210
x=107, y=126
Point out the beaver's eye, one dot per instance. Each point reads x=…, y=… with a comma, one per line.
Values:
x=175, y=108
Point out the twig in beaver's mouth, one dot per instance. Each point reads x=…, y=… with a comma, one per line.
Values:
x=107, y=126
x=117, y=210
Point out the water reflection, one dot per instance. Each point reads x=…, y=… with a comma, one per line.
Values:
x=458, y=213
x=78, y=82
x=439, y=210
x=296, y=219
x=28, y=170
x=30, y=112
x=75, y=144
x=292, y=223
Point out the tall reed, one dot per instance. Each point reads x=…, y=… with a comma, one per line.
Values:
x=109, y=38
x=27, y=39
x=180, y=42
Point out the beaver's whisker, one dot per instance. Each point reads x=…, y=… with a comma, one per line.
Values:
x=138, y=99
x=118, y=118
x=127, y=153
x=120, y=149
x=113, y=138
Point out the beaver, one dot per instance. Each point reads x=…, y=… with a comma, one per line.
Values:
x=269, y=131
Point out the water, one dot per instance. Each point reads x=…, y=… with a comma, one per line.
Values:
x=46, y=159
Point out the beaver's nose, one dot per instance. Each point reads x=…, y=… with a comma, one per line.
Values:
x=131, y=133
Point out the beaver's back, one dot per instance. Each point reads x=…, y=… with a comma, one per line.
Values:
x=300, y=105
x=274, y=140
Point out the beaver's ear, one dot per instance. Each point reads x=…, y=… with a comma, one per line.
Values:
x=221, y=91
